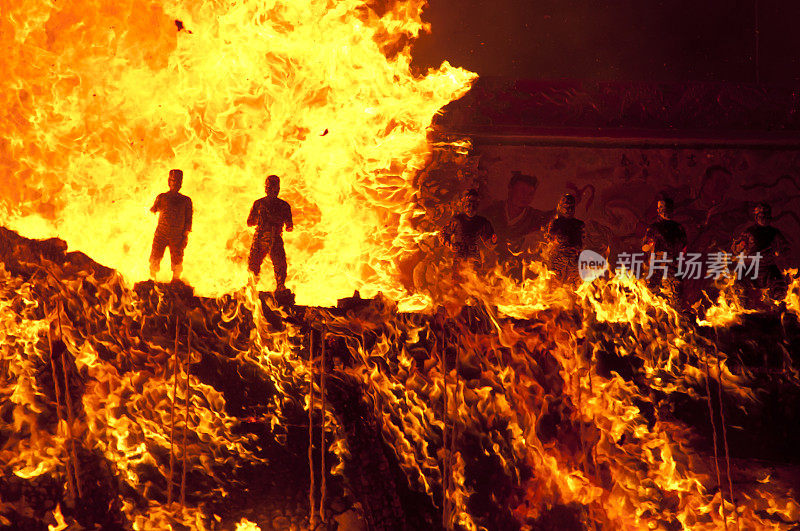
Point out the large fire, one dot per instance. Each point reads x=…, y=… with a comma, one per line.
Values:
x=101, y=99
x=532, y=406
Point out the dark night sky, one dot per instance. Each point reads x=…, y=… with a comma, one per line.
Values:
x=628, y=40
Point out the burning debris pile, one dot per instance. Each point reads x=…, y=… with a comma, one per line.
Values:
x=518, y=405
x=595, y=415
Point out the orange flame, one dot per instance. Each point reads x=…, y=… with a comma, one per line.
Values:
x=102, y=100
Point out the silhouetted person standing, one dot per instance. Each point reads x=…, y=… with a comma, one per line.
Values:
x=564, y=240
x=270, y=215
x=174, y=223
x=464, y=233
x=771, y=246
x=665, y=240
x=514, y=219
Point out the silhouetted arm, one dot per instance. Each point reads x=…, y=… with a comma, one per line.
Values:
x=742, y=243
x=548, y=231
x=446, y=234
x=187, y=224
x=649, y=240
x=683, y=241
x=252, y=219
x=781, y=244
x=289, y=222
x=489, y=236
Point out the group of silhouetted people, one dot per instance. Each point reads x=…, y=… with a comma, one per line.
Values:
x=504, y=224
x=269, y=215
